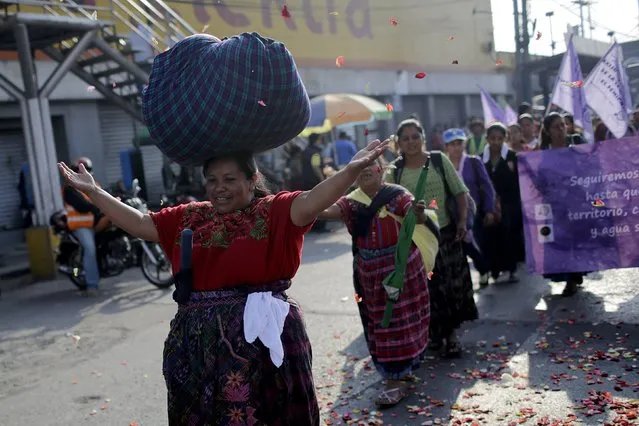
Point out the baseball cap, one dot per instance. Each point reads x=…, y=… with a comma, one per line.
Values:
x=455, y=134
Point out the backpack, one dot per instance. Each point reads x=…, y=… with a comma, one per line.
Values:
x=451, y=201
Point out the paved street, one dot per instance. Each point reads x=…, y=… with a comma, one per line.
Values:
x=533, y=358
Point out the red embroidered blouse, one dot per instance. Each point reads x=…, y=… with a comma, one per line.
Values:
x=257, y=245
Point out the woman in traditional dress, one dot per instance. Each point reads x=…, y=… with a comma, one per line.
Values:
x=216, y=372
x=555, y=136
x=472, y=171
x=450, y=287
x=373, y=214
x=503, y=244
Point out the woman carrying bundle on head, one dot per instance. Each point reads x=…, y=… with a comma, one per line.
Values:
x=373, y=214
x=237, y=350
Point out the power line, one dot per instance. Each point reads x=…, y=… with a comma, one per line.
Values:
x=568, y=9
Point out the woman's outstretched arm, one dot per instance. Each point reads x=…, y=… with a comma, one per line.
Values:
x=310, y=204
x=131, y=220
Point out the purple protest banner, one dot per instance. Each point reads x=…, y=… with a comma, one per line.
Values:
x=581, y=207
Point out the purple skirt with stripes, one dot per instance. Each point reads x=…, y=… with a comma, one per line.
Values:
x=214, y=377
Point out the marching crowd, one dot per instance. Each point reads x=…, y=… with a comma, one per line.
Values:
x=237, y=350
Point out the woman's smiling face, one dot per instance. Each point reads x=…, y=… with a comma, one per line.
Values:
x=411, y=141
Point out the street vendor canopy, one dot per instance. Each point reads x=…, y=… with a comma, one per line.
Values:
x=331, y=110
x=208, y=97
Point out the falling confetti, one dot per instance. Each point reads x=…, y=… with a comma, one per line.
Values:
x=420, y=75
x=334, y=13
x=389, y=107
x=433, y=204
x=344, y=299
x=393, y=21
x=90, y=88
x=598, y=203
x=206, y=27
x=538, y=35
x=451, y=38
x=455, y=62
x=261, y=103
x=285, y=13
x=339, y=61
x=114, y=84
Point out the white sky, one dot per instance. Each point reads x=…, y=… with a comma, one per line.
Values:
x=621, y=16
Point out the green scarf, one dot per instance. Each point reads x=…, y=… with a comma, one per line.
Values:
x=394, y=282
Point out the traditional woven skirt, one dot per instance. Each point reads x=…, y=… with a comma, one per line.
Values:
x=451, y=288
x=396, y=351
x=215, y=378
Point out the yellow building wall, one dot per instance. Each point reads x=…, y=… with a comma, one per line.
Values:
x=429, y=35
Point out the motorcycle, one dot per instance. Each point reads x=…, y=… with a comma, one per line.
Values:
x=115, y=249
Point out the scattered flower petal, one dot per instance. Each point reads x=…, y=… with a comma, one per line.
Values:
x=341, y=114
x=451, y=38
x=598, y=203
x=206, y=27
x=393, y=21
x=433, y=204
x=261, y=103
x=538, y=35
x=389, y=107
x=339, y=61
x=285, y=12
x=333, y=13
x=90, y=88
x=420, y=75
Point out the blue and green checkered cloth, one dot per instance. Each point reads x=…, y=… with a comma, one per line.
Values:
x=208, y=97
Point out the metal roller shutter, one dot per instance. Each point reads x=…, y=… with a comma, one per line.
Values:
x=152, y=159
x=117, y=129
x=448, y=111
x=414, y=105
x=476, y=109
x=13, y=153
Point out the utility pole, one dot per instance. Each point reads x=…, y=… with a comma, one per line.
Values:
x=552, y=39
x=526, y=89
x=518, y=68
x=590, y=26
x=582, y=4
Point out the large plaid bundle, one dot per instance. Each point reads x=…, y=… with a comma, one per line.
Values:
x=208, y=97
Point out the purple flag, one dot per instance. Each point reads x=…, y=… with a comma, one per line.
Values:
x=492, y=110
x=510, y=116
x=569, y=94
x=581, y=207
x=608, y=92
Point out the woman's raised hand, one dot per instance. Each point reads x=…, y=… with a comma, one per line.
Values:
x=368, y=155
x=82, y=181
